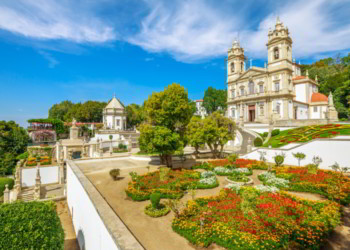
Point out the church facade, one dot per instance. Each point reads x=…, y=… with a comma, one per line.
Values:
x=276, y=92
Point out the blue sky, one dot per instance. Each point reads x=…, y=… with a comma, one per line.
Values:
x=78, y=50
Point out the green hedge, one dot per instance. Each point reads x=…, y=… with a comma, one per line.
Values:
x=30, y=225
x=258, y=142
x=3, y=182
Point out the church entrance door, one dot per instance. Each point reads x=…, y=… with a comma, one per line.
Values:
x=251, y=109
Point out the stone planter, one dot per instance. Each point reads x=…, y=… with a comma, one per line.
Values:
x=250, y=182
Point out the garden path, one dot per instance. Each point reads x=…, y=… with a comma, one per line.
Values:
x=70, y=239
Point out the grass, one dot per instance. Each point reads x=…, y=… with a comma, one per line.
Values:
x=307, y=133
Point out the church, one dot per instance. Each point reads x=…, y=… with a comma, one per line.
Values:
x=278, y=92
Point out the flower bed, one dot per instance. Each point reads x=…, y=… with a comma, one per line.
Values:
x=238, y=178
x=44, y=160
x=225, y=171
x=171, y=184
x=157, y=212
x=251, y=219
x=270, y=179
x=328, y=183
x=308, y=133
x=239, y=163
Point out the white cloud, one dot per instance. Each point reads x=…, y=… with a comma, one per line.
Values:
x=52, y=61
x=50, y=19
x=197, y=30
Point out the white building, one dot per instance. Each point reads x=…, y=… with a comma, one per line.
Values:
x=200, y=110
x=114, y=116
x=277, y=91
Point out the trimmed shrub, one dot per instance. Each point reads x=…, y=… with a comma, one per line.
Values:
x=3, y=182
x=22, y=156
x=155, y=199
x=157, y=212
x=258, y=142
x=232, y=158
x=30, y=225
x=275, y=132
x=115, y=173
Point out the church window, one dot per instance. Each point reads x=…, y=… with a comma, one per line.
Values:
x=232, y=67
x=233, y=92
x=242, y=91
x=315, y=109
x=277, y=86
x=242, y=66
x=262, y=109
x=251, y=87
x=233, y=112
x=261, y=88
x=278, y=108
x=118, y=122
x=276, y=53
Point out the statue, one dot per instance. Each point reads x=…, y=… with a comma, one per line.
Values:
x=330, y=100
x=74, y=123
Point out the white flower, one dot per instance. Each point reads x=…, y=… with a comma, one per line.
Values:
x=277, y=182
x=208, y=181
x=267, y=175
x=234, y=186
x=207, y=174
x=241, y=170
x=263, y=188
x=222, y=170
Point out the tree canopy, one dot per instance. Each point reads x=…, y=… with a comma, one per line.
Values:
x=333, y=76
x=13, y=141
x=134, y=115
x=167, y=114
x=89, y=111
x=215, y=100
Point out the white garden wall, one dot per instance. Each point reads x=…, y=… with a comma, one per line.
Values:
x=330, y=151
x=48, y=174
x=96, y=225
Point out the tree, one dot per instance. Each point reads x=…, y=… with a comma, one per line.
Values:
x=195, y=133
x=134, y=115
x=167, y=115
x=161, y=140
x=13, y=142
x=215, y=100
x=58, y=111
x=218, y=130
x=299, y=156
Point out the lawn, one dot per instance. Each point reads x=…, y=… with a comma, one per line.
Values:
x=169, y=183
x=307, y=133
x=251, y=219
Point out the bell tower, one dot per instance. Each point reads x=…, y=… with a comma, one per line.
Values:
x=235, y=61
x=279, y=45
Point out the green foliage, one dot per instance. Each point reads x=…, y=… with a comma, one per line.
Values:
x=30, y=225
x=167, y=113
x=155, y=199
x=215, y=100
x=232, y=158
x=13, y=142
x=134, y=115
x=57, y=124
x=218, y=131
x=258, y=142
x=3, y=182
x=161, y=210
x=110, y=137
x=312, y=168
x=195, y=133
x=275, y=132
x=300, y=156
x=279, y=159
x=90, y=111
x=115, y=173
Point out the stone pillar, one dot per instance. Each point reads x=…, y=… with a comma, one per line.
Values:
x=111, y=148
x=37, y=185
x=332, y=113
x=285, y=109
x=101, y=149
x=61, y=173
x=6, y=194
x=18, y=182
x=249, y=145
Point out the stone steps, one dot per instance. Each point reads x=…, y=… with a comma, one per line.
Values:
x=26, y=195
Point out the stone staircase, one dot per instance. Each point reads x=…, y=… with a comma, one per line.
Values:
x=26, y=195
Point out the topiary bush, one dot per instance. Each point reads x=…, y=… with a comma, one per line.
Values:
x=3, y=182
x=155, y=199
x=258, y=142
x=115, y=173
x=30, y=225
x=279, y=159
x=275, y=132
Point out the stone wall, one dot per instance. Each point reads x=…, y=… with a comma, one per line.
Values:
x=300, y=123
